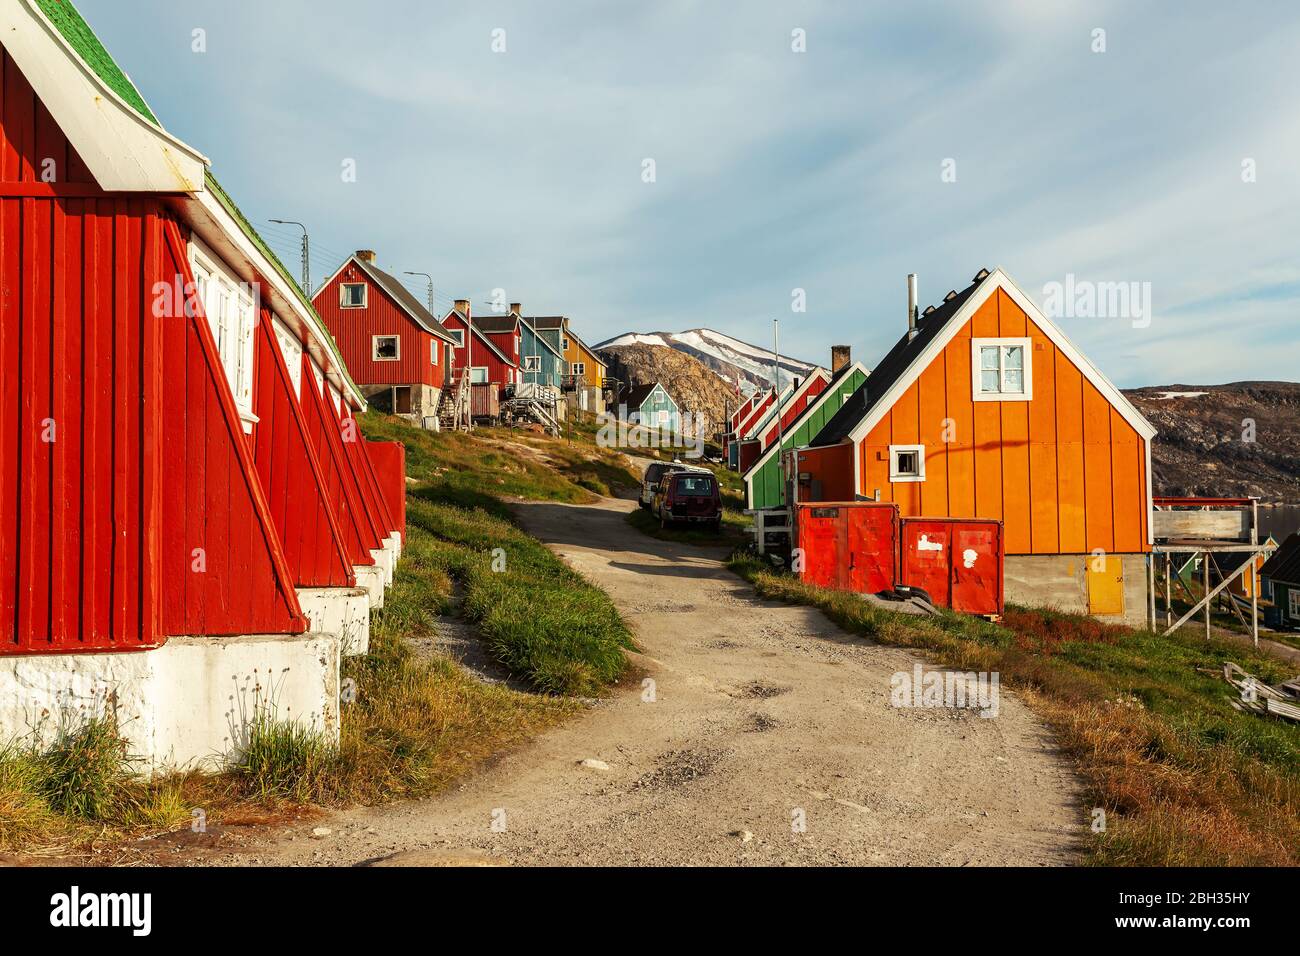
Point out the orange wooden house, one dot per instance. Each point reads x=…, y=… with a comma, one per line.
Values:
x=985, y=409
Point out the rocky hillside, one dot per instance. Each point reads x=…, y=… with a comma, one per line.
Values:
x=1205, y=447
x=736, y=362
x=694, y=386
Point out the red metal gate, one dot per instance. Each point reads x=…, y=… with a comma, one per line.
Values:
x=957, y=561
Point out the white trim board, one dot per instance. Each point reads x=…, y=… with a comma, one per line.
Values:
x=121, y=148
x=1000, y=280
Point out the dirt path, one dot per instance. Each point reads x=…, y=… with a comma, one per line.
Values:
x=762, y=713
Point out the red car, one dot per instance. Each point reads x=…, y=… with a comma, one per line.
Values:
x=692, y=497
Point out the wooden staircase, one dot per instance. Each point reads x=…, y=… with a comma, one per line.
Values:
x=453, y=406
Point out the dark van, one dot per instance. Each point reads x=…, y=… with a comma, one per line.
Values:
x=691, y=497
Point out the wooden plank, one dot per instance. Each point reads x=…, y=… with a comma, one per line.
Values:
x=1044, y=504
x=1071, y=497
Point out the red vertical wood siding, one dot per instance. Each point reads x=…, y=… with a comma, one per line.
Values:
x=353, y=329
x=323, y=431
x=369, y=481
x=389, y=460
x=291, y=474
x=116, y=477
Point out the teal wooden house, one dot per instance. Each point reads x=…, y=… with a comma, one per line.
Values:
x=763, y=485
x=540, y=362
x=650, y=405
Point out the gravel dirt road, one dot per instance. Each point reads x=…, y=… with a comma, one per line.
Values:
x=763, y=716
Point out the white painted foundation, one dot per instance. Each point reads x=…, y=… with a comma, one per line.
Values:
x=370, y=577
x=341, y=611
x=384, y=560
x=189, y=703
x=394, y=542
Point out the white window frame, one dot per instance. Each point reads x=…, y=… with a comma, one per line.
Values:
x=473, y=375
x=896, y=476
x=343, y=297
x=564, y=344
x=1026, y=346
x=459, y=336
x=374, y=348
x=291, y=349
x=577, y=368
x=532, y=363
x=433, y=351
x=1293, y=603
x=231, y=312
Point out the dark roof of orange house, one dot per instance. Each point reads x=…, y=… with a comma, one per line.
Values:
x=892, y=367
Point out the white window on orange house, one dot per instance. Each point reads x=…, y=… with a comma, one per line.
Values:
x=906, y=463
x=1001, y=370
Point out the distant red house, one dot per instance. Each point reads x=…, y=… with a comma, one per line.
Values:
x=483, y=352
x=397, y=352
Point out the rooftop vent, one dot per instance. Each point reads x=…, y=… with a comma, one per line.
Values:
x=952, y=294
x=981, y=275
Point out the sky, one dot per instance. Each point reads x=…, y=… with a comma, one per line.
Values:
x=825, y=147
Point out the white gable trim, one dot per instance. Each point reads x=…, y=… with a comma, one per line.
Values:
x=815, y=404
x=123, y=150
x=1000, y=280
x=758, y=427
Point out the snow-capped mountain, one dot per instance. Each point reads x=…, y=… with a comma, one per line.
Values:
x=735, y=361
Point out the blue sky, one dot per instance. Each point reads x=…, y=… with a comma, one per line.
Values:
x=774, y=170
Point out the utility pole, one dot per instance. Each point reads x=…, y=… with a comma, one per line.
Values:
x=430, y=290
x=306, y=250
x=776, y=376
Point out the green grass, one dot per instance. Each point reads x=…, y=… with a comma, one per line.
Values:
x=1185, y=778
x=540, y=619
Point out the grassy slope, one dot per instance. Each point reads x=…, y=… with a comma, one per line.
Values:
x=1184, y=778
x=418, y=722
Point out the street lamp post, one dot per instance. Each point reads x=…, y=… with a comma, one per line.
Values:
x=430, y=289
x=306, y=249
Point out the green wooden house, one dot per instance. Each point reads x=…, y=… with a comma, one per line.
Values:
x=763, y=485
x=1280, y=585
x=651, y=405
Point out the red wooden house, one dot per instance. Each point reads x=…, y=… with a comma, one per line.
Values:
x=481, y=352
x=395, y=349
x=160, y=491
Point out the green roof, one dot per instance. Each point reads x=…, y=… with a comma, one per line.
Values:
x=81, y=38
x=77, y=32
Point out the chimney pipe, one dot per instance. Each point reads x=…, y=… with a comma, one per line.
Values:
x=516, y=308
x=839, y=357
x=911, y=305
x=366, y=255
x=462, y=306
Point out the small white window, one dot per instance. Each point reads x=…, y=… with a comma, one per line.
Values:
x=1002, y=370
x=385, y=348
x=564, y=345
x=433, y=352
x=478, y=374
x=459, y=336
x=352, y=295
x=532, y=363
x=579, y=368
x=1293, y=602
x=907, y=463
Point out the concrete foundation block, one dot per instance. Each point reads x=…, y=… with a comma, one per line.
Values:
x=386, y=561
x=370, y=577
x=341, y=611
x=1060, y=581
x=188, y=704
